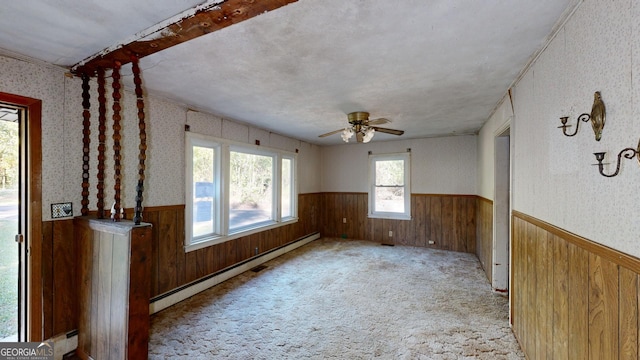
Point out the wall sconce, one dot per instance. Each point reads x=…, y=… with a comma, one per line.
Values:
x=628, y=153
x=583, y=117
x=597, y=117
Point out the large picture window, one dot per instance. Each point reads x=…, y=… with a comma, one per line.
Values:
x=251, y=189
x=233, y=190
x=389, y=186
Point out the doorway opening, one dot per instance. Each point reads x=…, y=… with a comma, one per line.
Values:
x=29, y=246
x=12, y=269
x=502, y=211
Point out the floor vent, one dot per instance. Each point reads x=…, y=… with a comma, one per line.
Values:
x=259, y=268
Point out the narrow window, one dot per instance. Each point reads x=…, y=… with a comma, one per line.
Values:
x=203, y=178
x=287, y=188
x=202, y=190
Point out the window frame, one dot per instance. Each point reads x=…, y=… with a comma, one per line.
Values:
x=274, y=194
x=222, y=157
x=200, y=141
x=294, y=188
x=373, y=158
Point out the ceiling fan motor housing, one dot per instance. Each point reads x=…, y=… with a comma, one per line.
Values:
x=358, y=117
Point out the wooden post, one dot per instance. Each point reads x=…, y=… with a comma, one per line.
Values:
x=143, y=140
x=102, y=120
x=86, y=141
x=116, y=137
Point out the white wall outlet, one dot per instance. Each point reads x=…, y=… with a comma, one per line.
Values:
x=344, y=220
x=390, y=233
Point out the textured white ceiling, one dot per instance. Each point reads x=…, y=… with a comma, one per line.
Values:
x=434, y=67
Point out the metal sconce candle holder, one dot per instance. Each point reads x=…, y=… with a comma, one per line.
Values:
x=597, y=117
x=628, y=153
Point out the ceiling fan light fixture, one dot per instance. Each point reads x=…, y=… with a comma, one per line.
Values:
x=347, y=134
x=368, y=134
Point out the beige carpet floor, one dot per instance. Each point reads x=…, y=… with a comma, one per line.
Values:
x=344, y=299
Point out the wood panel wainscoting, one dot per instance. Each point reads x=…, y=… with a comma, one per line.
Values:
x=59, y=279
x=447, y=220
x=484, y=237
x=571, y=297
x=114, y=291
x=171, y=267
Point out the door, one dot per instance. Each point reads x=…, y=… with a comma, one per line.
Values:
x=501, y=212
x=11, y=246
x=21, y=219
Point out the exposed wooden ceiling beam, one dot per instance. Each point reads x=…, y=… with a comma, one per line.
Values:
x=200, y=23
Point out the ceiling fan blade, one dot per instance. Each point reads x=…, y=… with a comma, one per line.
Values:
x=388, y=131
x=379, y=121
x=331, y=133
x=359, y=136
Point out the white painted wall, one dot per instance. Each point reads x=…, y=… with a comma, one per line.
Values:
x=164, y=184
x=446, y=165
x=597, y=49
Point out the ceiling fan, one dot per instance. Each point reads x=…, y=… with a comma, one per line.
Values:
x=362, y=127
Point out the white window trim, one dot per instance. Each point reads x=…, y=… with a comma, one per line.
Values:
x=275, y=169
x=223, y=147
x=406, y=156
x=192, y=140
x=294, y=187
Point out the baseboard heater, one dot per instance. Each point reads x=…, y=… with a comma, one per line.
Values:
x=163, y=301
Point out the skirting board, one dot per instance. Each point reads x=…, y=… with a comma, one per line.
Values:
x=198, y=287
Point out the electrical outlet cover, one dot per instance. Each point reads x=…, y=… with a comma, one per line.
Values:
x=61, y=210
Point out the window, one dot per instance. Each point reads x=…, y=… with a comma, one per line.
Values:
x=288, y=194
x=233, y=190
x=251, y=190
x=390, y=190
x=203, y=175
